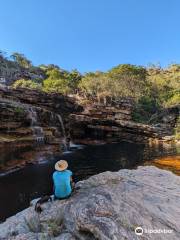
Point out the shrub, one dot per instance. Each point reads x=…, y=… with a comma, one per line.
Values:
x=177, y=130
x=56, y=85
x=144, y=109
x=174, y=99
x=27, y=84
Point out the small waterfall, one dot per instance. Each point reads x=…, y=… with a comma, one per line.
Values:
x=63, y=132
x=62, y=125
x=37, y=130
x=39, y=134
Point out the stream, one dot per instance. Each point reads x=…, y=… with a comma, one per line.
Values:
x=19, y=187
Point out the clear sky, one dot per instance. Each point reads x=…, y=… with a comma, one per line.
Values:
x=92, y=34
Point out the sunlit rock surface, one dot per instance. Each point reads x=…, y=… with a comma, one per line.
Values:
x=107, y=206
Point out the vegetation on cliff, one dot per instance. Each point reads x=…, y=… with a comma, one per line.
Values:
x=151, y=88
x=177, y=130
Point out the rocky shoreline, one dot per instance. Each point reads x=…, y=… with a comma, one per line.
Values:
x=106, y=206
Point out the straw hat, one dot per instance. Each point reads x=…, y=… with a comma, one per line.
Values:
x=61, y=165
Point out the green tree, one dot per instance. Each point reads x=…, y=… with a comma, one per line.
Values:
x=165, y=84
x=62, y=81
x=89, y=84
x=129, y=80
x=21, y=60
x=56, y=82
x=122, y=81
x=56, y=85
x=74, y=77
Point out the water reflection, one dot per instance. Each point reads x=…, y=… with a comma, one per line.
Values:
x=171, y=163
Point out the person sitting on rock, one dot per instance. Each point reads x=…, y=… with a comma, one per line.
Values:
x=62, y=178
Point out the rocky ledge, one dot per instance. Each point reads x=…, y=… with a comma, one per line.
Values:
x=115, y=123
x=30, y=120
x=107, y=206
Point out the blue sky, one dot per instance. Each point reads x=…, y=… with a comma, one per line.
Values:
x=92, y=34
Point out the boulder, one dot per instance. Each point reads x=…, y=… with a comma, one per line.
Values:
x=107, y=206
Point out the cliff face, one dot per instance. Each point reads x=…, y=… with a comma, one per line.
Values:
x=106, y=206
x=31, y=120
x=54, y=102
x=115, y=123
x=11, y=71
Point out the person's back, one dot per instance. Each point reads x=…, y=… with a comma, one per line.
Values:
x=62, y=179
x=62, y=183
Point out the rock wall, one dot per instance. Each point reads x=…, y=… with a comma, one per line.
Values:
x=32, y=118
x=106, y=206
x=11, y=71
x=53, y=102
x=29, y=120
x=115, y=123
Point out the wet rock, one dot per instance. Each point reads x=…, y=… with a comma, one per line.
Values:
x=108, y=206
x=25, y=126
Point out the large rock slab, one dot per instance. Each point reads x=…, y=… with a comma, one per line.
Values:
x=107, y=206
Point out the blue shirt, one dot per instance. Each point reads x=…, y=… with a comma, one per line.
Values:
x=62, y=183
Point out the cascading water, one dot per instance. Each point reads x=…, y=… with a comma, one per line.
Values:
x=37, y=130
x=62, y=125
x=63, y=131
